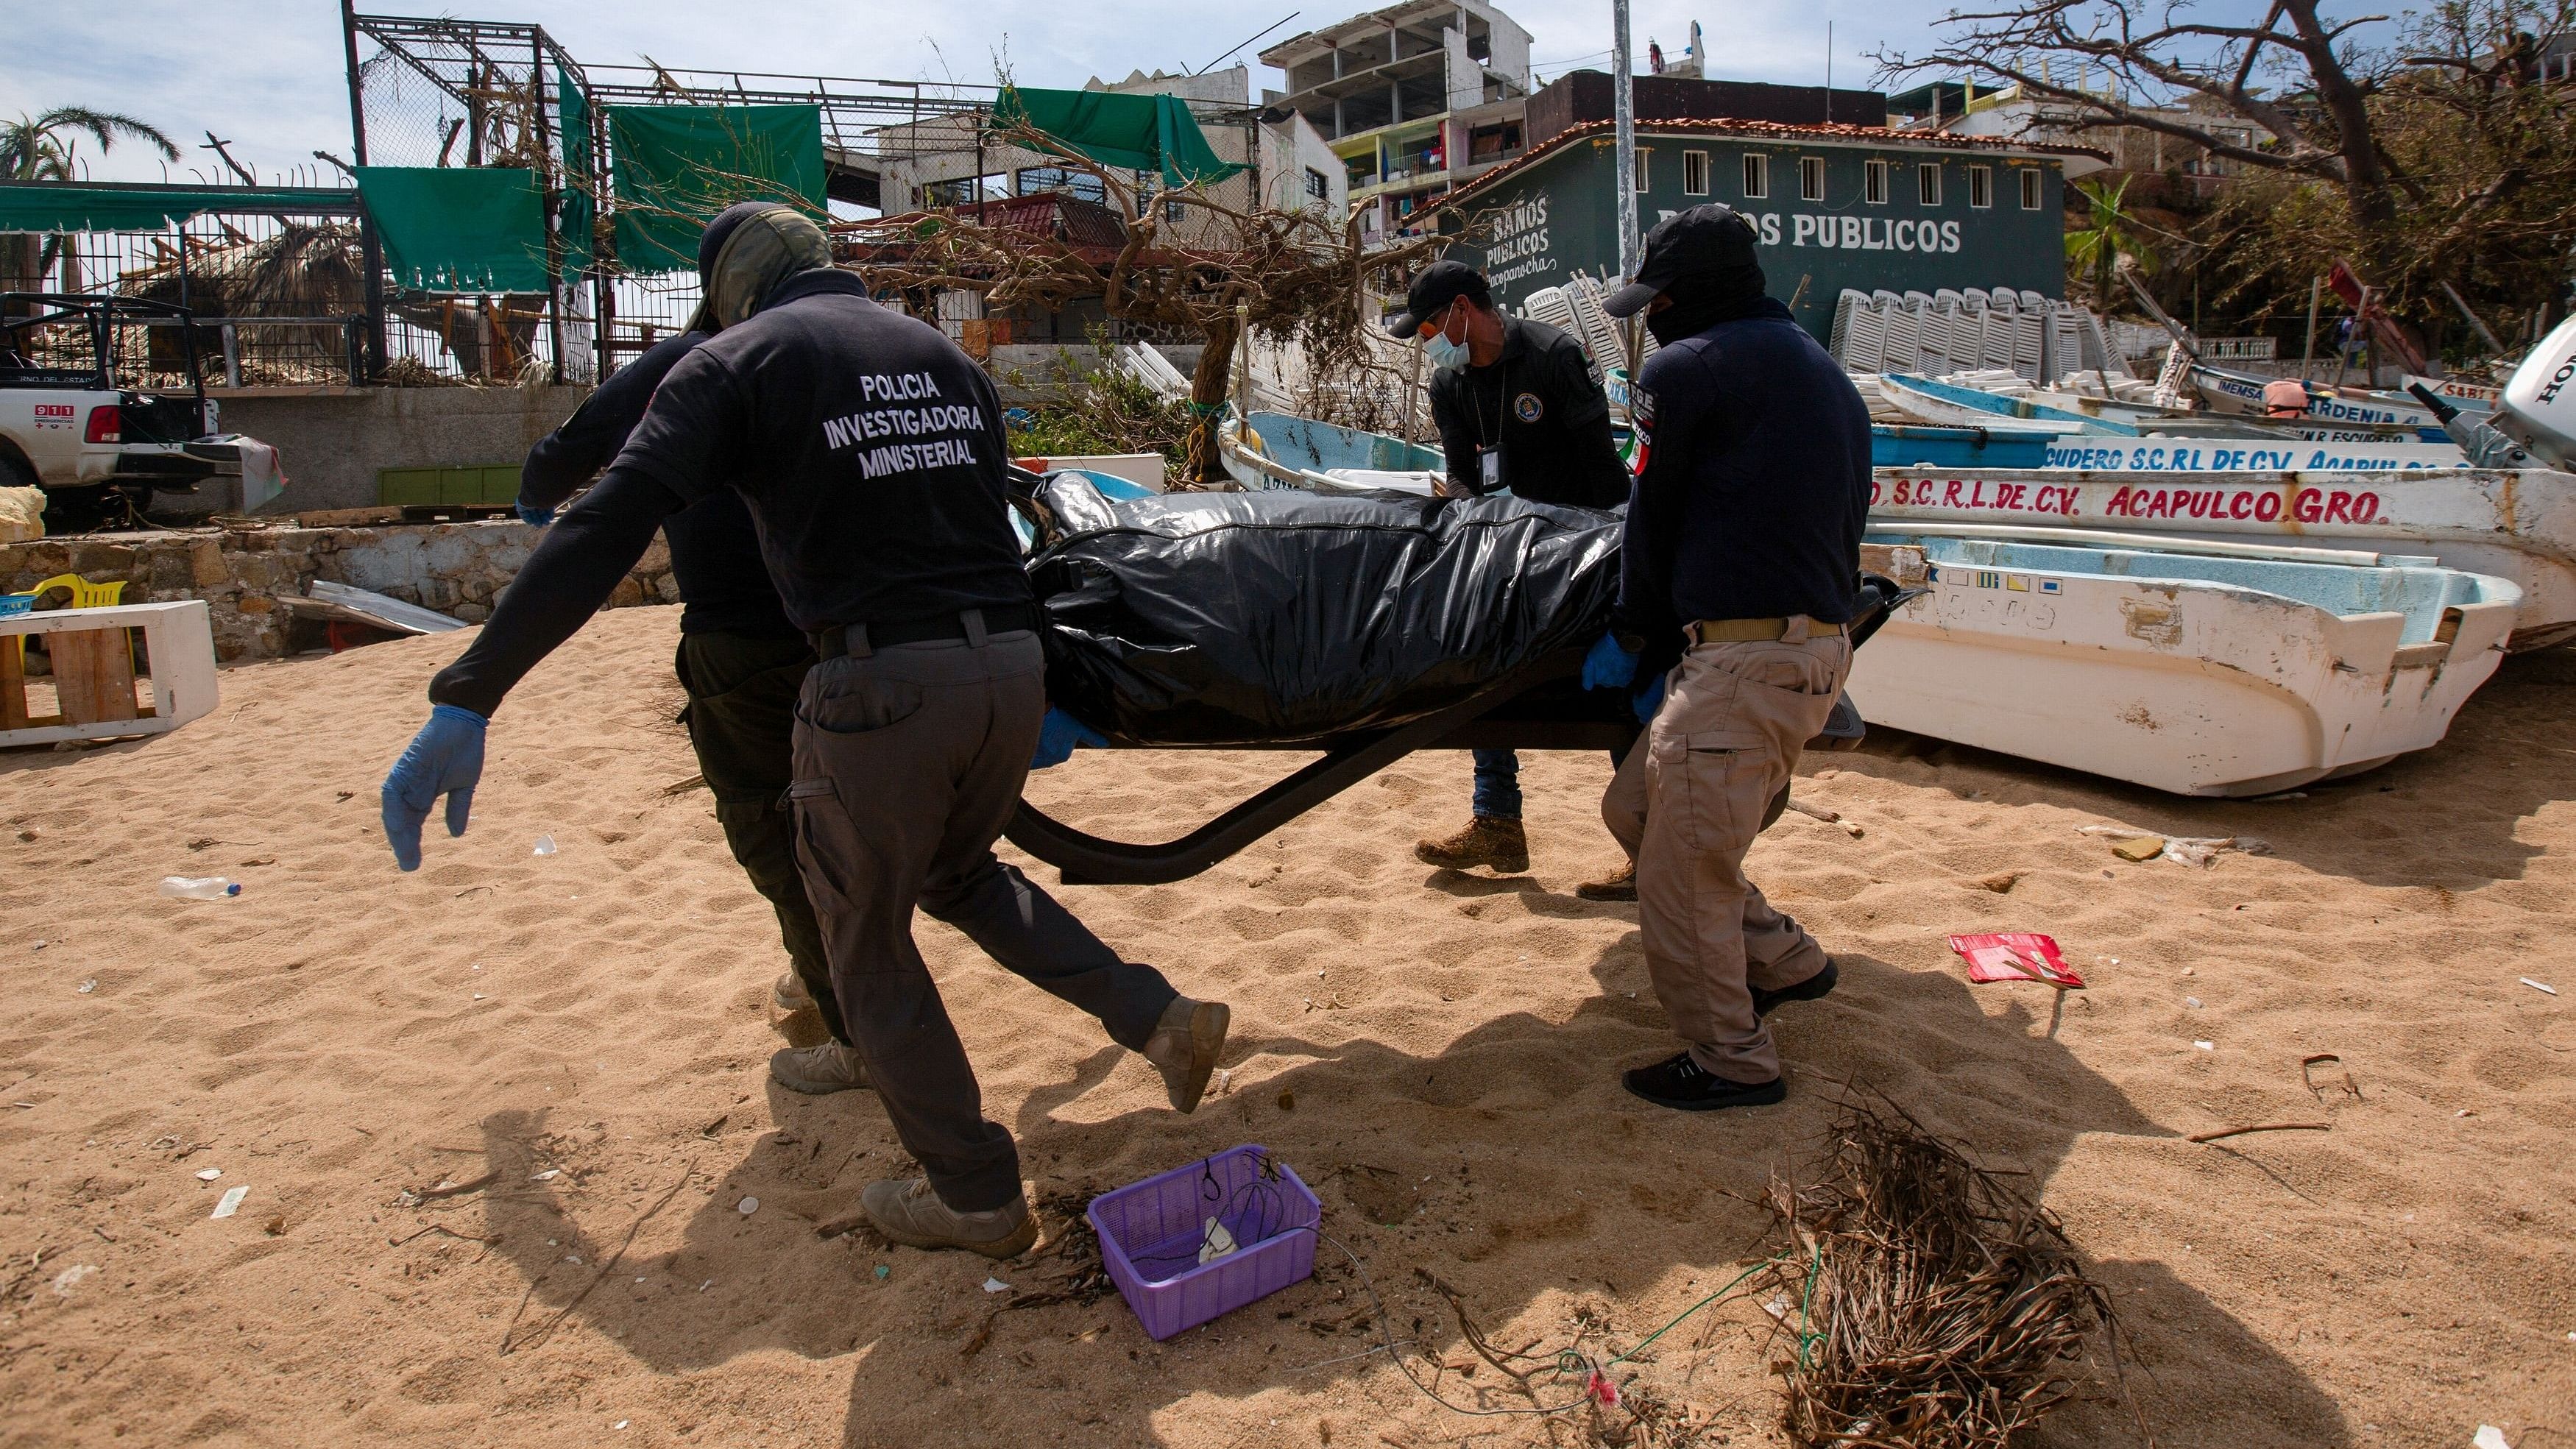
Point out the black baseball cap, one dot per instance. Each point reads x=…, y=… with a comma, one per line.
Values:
x=1711, y=238
x=1439, y=284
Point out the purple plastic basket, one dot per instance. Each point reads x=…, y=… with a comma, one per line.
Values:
x=1150, y=1234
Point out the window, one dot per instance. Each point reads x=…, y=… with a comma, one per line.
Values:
x=1757, y=177
x=1644, y=155
x=1035, y=180
x=964, y=191
x=2030, y=189
x=1927, y=183
x=1981, y=186
x=1811, y=178
x=1694, y=173
x=1874, y=182
x=1319, y=187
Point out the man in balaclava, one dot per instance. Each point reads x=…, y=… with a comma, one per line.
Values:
x=1743, y=546
x=870, y=453
x=740, y=662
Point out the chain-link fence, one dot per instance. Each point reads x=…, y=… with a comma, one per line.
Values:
x=440, y=92
x=277, y=294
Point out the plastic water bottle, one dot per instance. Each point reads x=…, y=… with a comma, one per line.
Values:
x=199, y=888
x=545, y=845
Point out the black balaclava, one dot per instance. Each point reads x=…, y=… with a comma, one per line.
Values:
x=712, y=243
x=1702, y=299
x=748, y=250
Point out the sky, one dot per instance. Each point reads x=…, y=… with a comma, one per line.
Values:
x=268, y=76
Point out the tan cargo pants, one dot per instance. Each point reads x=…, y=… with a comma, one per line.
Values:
x=1687, y=807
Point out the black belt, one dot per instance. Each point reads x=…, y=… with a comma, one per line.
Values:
x=863, y=639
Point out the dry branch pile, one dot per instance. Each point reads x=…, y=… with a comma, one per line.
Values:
x=1939, y=1307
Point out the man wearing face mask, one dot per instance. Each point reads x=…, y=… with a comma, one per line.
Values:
x=1518, y=407
x=1743, y=538
x=870, y=453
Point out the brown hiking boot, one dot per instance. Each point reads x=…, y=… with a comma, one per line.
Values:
x=1620, y=885
x=1184, y=1048
x=1487, y=840
x=911, y=1214
x=818, y=1070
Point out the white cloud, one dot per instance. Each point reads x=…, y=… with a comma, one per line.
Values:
x=268, y=76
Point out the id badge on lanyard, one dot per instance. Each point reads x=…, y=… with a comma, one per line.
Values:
x=1489, y=467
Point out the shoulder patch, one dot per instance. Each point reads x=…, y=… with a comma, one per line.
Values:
x=1528, y=407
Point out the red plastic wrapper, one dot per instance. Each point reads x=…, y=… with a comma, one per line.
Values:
x=2016, y=956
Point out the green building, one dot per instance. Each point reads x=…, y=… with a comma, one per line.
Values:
x=1837, y=206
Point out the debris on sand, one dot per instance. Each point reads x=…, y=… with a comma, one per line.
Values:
x=1936, y=1307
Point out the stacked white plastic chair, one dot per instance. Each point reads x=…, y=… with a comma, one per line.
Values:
x=1593, y=327
x=1549, y=305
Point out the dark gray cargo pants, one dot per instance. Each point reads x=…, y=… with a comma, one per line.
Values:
x=909, y=761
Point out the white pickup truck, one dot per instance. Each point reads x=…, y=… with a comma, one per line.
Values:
x=72, y=423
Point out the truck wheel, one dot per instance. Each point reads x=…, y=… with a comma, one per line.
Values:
x=14, y=472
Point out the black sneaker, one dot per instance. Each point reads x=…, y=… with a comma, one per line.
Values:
x=1766, y=1002
x=1680, y=1083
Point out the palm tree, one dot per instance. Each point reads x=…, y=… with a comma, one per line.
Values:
x=43, y=148
x=2093, y=252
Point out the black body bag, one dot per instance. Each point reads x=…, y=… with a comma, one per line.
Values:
x=1284, y=616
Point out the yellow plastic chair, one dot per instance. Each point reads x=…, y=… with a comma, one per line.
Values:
x=85, y=595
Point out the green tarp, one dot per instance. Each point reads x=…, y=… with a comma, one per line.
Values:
x=49, y=206
x=581, y=164
x=677, y=166
x=1154, y=134
x=459, y=229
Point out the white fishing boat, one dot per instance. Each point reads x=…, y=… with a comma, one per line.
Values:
x=2516, y=521
x=2515, y=524
x=1278, y=450
x=2147, y=416
x=2241, y=394
x=2240, y=451
x=2468, y=397
x=1923, y=400
x=2218, y=671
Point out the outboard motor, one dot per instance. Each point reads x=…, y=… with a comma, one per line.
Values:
x=2481, y=442
x=2539, y=406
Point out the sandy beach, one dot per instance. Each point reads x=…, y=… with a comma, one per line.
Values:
x=585, y=1035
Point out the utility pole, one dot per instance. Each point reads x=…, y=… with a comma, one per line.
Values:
x=1623, y=107
x=370, y=251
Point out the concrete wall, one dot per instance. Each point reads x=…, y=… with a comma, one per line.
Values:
x=332, y=444
x=457, y=569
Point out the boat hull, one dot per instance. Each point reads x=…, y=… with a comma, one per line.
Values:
x=2185, y=685
x=2519, y=525
x=2242, y=394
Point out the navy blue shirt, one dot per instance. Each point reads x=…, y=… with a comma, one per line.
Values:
x=1540, y=406
x=715, y=552
x=1752, y=483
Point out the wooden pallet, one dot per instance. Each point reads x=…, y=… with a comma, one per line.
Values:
x=92, y=651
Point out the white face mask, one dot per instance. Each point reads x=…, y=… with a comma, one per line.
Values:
x=1443, y=352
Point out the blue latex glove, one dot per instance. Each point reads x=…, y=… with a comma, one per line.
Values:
x=1609, y=666
x=1058, y=734
x=445, y=758
x=1648, y=700
x=538, y=517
